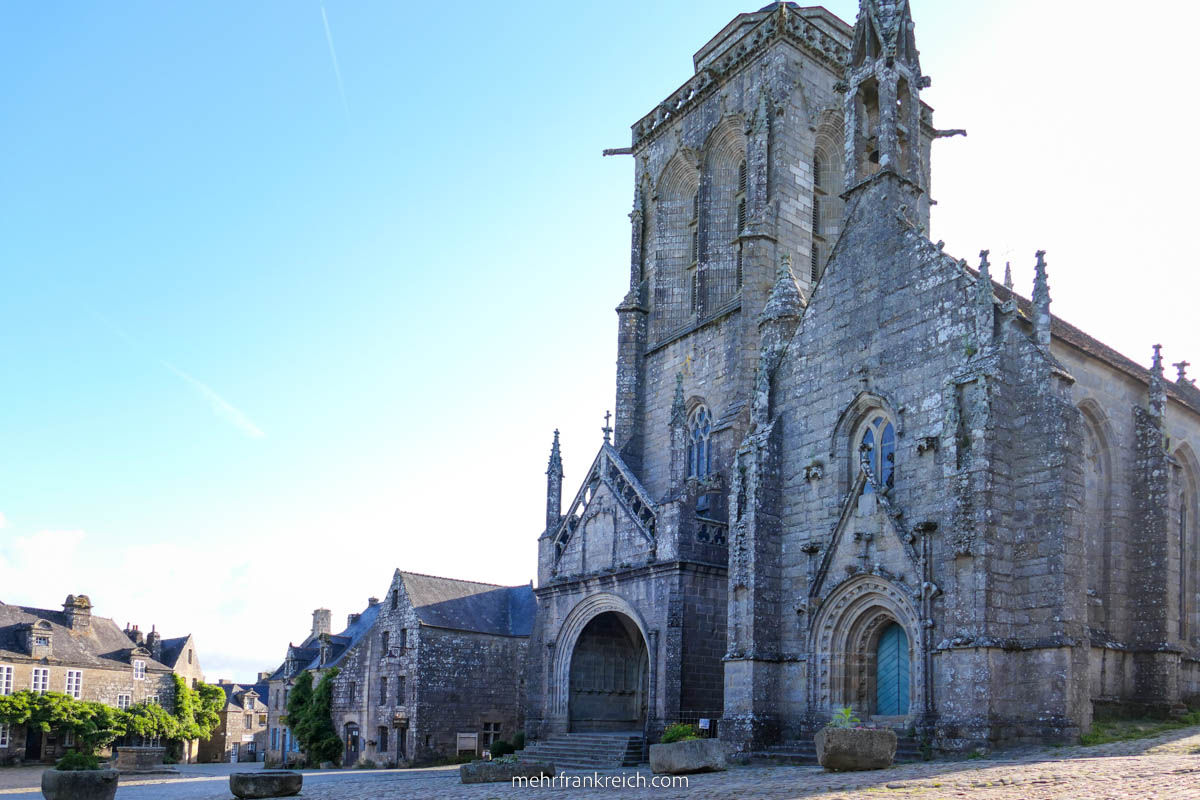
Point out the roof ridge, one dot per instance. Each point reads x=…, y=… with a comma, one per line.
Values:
x=460, y=580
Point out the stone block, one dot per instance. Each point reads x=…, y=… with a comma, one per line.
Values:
x=848, y=749
x=268, y=783
x=503, y=771
x=683, y=758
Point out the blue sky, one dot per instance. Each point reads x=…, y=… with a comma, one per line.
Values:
x=269, y=335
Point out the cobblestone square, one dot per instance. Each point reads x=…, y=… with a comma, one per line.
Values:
x=1163, y=768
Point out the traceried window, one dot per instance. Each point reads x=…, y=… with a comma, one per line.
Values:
x=1184, y=556
x=699, y=442
x=817, y=251
x=876, y=449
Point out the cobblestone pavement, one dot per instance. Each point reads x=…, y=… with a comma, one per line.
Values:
x=1163, y=768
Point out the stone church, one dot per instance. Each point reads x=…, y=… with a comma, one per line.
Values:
x=846, y=468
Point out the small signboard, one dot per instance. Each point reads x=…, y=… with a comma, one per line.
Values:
x=703, y=724
x=247, y=737
x=468, y=741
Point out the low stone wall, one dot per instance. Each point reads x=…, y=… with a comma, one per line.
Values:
x=140, y=759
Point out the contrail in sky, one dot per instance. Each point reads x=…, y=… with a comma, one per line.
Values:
x=333, y=57
x=220, y=406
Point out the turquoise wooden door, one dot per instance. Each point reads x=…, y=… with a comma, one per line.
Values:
x=891, y=678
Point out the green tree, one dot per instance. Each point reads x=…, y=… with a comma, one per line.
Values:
x=309, y=715
x=198, y=710
x=151, y=721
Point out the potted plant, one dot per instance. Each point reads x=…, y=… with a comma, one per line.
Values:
x=78, y=776
x=846, y=744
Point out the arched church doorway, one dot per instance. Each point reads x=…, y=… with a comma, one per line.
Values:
x=609, y=676
x=891, y=672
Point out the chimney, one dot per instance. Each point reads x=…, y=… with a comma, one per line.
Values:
x=78, y=611
x=133, y=633
x=154, y=643
x=263, y=677
x=351, y=619
x=372, y=601
x=322, y=622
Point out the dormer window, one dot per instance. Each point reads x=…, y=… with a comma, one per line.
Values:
x=139, y=670
x=41, y=641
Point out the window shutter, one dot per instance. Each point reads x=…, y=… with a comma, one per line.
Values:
x=741, y=215
x=816, y=263
x=739, y=268
x=742, y=177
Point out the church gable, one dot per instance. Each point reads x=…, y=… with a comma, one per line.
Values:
x=867, y=541
x=609, y=525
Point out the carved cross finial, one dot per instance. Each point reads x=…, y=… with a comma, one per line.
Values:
x=1181, y=366
x=983, y=260
x=1157, y=364
x=785, y=267
x=607, y=428
x=1008, y=281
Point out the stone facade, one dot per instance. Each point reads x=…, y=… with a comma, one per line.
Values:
x=437, y=658
x=848, y=469
x=73, y=652
x=241, y=734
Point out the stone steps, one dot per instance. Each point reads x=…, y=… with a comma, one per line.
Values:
x=588, y=750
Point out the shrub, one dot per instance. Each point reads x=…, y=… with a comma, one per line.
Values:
x=679, y=732
x=73, y=762
x=519, y=741
x=844, y=718
x=366, y=763
x=500, y=747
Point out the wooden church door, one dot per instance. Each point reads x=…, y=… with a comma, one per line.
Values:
x=891, y=678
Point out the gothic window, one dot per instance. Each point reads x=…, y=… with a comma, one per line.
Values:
x=699, y=442
x=875, y=448
x=817, y=251
x=694, y=268
x=1183, y=564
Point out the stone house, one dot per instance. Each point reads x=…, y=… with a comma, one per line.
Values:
x=242, y=733
x=847, y=469
x=437, y=658
x=74, y=652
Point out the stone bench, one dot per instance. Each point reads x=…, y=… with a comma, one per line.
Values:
x=267, y=783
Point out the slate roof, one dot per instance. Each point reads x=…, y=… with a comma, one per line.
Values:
x=470, y=606
x=102, y=644
x=340, y=643
x=233, y=692
x=1184, y=393
x=172, y=649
